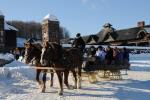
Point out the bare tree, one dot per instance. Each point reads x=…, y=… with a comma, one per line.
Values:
x=33, y=29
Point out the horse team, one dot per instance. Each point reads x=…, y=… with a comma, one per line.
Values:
x=61, y=61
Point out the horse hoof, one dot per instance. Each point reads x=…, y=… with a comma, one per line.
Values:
x=75, y=87
x=51, y=85
x=70, y=87
x=78, y=87
x=43, y=90
x=60, y=93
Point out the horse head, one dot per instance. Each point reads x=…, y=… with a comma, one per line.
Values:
x=32, y=51
x=50, y=54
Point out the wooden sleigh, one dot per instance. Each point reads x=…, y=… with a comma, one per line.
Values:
x=112, y=71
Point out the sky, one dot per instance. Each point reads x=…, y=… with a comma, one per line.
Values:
x=83, y=16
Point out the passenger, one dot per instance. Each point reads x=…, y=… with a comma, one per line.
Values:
x=125, y=55
x=92, y=51
x=100, y=54
x=115, y=52
x=79, y=42
x=115, y=55
x=109, y=55
x=91, y=55
x=119, y=57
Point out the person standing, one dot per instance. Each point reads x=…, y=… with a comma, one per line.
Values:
x=79, y=42
x=100, y=54
x=109, y=55
x=125, y=55
x=16, y=53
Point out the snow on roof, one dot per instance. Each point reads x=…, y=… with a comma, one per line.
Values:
x=1, y=13
x=9, y=27
x=51, y=17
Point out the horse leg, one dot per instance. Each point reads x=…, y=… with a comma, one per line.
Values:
x=66, y=74
x=60, y=78
x=52, y=76
x=75, y=78
x=79, y=78
x=44, y=80
x=38, y=71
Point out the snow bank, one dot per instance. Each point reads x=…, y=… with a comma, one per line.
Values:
x=7, y=56
x=16, y=64
x=14, y=80
x=17, y=73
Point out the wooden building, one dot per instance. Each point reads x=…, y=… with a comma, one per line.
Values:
x=137, y=36
x=7, y=34
x=50, y=29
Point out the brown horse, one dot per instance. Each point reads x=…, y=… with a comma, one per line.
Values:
x=33, y=51
x=73, y=59
x=58, y=58
x=52, y=57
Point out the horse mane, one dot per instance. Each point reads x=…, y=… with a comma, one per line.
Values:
x=56, y=51
x=37, y=46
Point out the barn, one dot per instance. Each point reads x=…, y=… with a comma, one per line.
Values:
x=135, y=36
x=7, y=35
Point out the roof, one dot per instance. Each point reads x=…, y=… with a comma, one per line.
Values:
x=30, y=40
x=106, y=31
x=107, y=25
x=131, y=33
x=92, y=39
x=85, y=38
x=50, y=17
x=127, y=33
x=124, y=34
x=107, y=35
x=9, y=27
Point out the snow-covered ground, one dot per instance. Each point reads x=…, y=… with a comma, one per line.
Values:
x=17, y=82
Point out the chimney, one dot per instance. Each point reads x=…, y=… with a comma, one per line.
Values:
x=2, y=40
x=141, y=24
